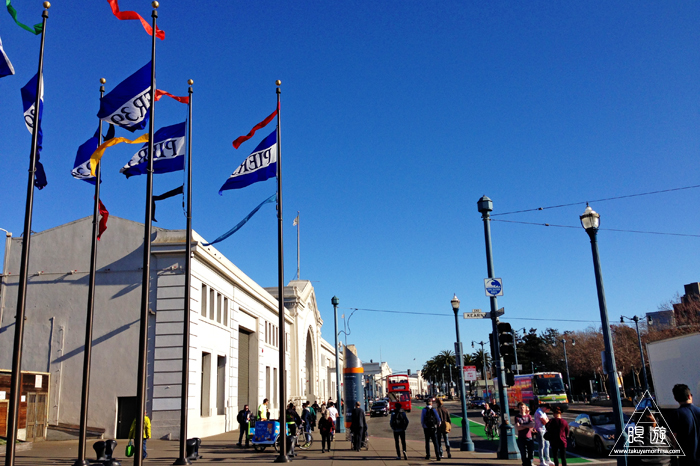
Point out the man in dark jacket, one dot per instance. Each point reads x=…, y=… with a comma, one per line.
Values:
x=358, y=425
x=687, y=426
x=243, y=422
x=306, y=421
x=430, y=421
x=399, y=424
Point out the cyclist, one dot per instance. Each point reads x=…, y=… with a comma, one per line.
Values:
x=489, y=416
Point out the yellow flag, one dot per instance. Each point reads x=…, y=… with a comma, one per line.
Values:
x=97, y=155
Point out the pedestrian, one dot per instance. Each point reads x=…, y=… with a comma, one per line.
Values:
x=558, y=433
x=333, y=415
x=146, y=432
x=524, y=424
x=686, y=427
x=430, y=421
x=358, y=425
x=314, y=408
x=648, y=421
x=444, y=429
x=306, y=421
x=541, y=421
x=263, y=413
x=293, y=423
x=325, y=427
x=243, y=419
x=399, y=424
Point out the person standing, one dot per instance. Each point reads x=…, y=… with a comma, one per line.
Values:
x=146, y=432
x=430, y=421
x=325, y=427
x=333, y=415
x=358, y=424
x=399, y=424
x=306, y=421
x=686, y=427
x=293, y=423
x=541, y=421
x=444, y=429
x=524, y=424
x=558, y=433
x=243, y=419
x=262, y=410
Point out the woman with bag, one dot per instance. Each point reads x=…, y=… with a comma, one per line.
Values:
x=557, y=434
x=444, y=429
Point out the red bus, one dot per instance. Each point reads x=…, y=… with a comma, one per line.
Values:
x=398, y=390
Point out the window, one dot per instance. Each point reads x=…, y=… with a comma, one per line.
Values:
x=218, y=307
x=211, y=304
x=274, y=387
x=266, y=333
x=205, y=386
x=267, y=382
x=225, y=311
x=204, y=300
x=221, y=385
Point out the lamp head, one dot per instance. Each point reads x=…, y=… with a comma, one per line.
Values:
x=590, y=219
x=573, y=342
x=335, y=301
x=485, y=204
x=650, y=320
x=622, y=319
x=455, y=303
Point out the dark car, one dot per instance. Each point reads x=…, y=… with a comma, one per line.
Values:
x=379, y=408
x=476, y=402
x=594, y=430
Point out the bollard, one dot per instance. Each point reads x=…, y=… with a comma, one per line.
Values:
x=193, y=448
x=111, y=446
x=99, y=448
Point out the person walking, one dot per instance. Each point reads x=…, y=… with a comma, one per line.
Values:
x=293, y=423
x=325, y=427
x=430, y=421
x=558, y=433
x=146, y=432
x=333, y=415
x=541, y=421
x=306, y=421
x=243, y=419
x=399, y=424
x=358, y=425
x=263, y=413
x=686, y=427
x=524, y=424
x=314, y=408
x=444, y=429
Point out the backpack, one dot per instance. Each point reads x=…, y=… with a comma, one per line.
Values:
x=399, y=421
x=429, y=419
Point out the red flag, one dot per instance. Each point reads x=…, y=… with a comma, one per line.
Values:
x=103, y=220
x=160, y=34
x=240, y=140
x=182, y=100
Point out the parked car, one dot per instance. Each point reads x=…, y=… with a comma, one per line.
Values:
x=379, y=408
x=594, y=430
x=599, y=396
x=476, y=402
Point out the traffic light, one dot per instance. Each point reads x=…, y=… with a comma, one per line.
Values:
x=506, y=343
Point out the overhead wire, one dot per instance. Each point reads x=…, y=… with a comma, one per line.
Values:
x=600, y=229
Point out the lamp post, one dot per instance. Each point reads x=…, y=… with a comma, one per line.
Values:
x=566, y=360
x=507, y=448
x=635, y=319
x=466, y=444
x=341, y=425
x=590, y=220
x=483, y=363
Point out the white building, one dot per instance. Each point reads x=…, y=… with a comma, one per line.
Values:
x=417, y=384
x=233, y=353
x=376, y=373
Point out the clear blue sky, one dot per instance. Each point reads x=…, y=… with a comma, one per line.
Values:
x=396, y=118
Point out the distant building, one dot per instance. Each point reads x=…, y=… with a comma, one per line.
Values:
x=417, y=384
x=376, y=373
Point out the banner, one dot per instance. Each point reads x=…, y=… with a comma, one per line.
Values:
x=169, y=152
x=28, y=103
x=241, y=139
x=6, y=68
x=125, y=15
x=240, y=224
x=260, y=165
x=128, y=104
x=81, y=167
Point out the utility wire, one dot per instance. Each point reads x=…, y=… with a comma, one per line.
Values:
x=604, y=229
x=452, y=315
x=599, y=200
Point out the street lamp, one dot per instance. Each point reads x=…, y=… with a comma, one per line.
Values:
x=590, y=220
x=340, y=425
x=566, y=360
x=466, y=444
x=636, y=319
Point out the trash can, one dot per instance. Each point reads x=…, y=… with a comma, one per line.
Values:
x=192, y=447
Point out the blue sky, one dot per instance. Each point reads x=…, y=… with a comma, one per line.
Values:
x=396, y=118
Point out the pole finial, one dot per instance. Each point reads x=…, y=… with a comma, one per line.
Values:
x=103, y=80
x=278, y=82
x=190, y=82
x=155, y=4
x=47, y=5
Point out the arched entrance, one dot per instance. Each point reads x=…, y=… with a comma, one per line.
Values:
x=310, y=372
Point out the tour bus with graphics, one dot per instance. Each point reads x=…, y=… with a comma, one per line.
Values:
x=540, y=387
x=398, y=390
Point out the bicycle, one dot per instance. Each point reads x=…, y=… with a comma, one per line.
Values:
x=491, y=427
x=300, y=442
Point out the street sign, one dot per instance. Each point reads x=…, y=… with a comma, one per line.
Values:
x=513, y=367
x=458, y=349
x=475, y=315
x=493, y=287
x=470, y=373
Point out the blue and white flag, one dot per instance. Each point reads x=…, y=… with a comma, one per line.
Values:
x=6, y=68
x=128, y=104
x=28, y=103
x=240, y=224
x=260, y=165
x=81, y=167
x=169, y=148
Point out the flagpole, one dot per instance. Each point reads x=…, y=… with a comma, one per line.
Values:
x=145, y=281
x=16, y=377
x=298, y=263
x=182, y=459
x=85, y=396
x=282, y=458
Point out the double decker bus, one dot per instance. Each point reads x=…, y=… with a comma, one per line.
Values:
x=538, y=388
x=398, y=390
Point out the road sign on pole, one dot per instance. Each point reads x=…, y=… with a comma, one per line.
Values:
x=493, y=287
x=470, y=373
x=475, y=315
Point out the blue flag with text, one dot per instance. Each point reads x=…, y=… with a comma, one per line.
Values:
x=81, y=167
x=260, y=165
x=169, y=148
x=28, y=103
x=128, y=105
x=6, y=68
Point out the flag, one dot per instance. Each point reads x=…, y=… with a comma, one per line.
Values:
x=81, y=167
x=6, y=68
x=182, y=100
x=169, y=150
x=103, y=220
x=240, y=224
x=123, y=15
x=36, y=29
x=99, y=152
x=260, y=165
x=128, y=105
x=296, y=221
x=168, y=195
x=241, y=139
x=28, y=102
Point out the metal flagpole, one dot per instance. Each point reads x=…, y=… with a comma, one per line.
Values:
x=16, y=377
x=298, y=263
x=145, y=281
x=85, y=396
x=182, y=459
x=282, y=458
